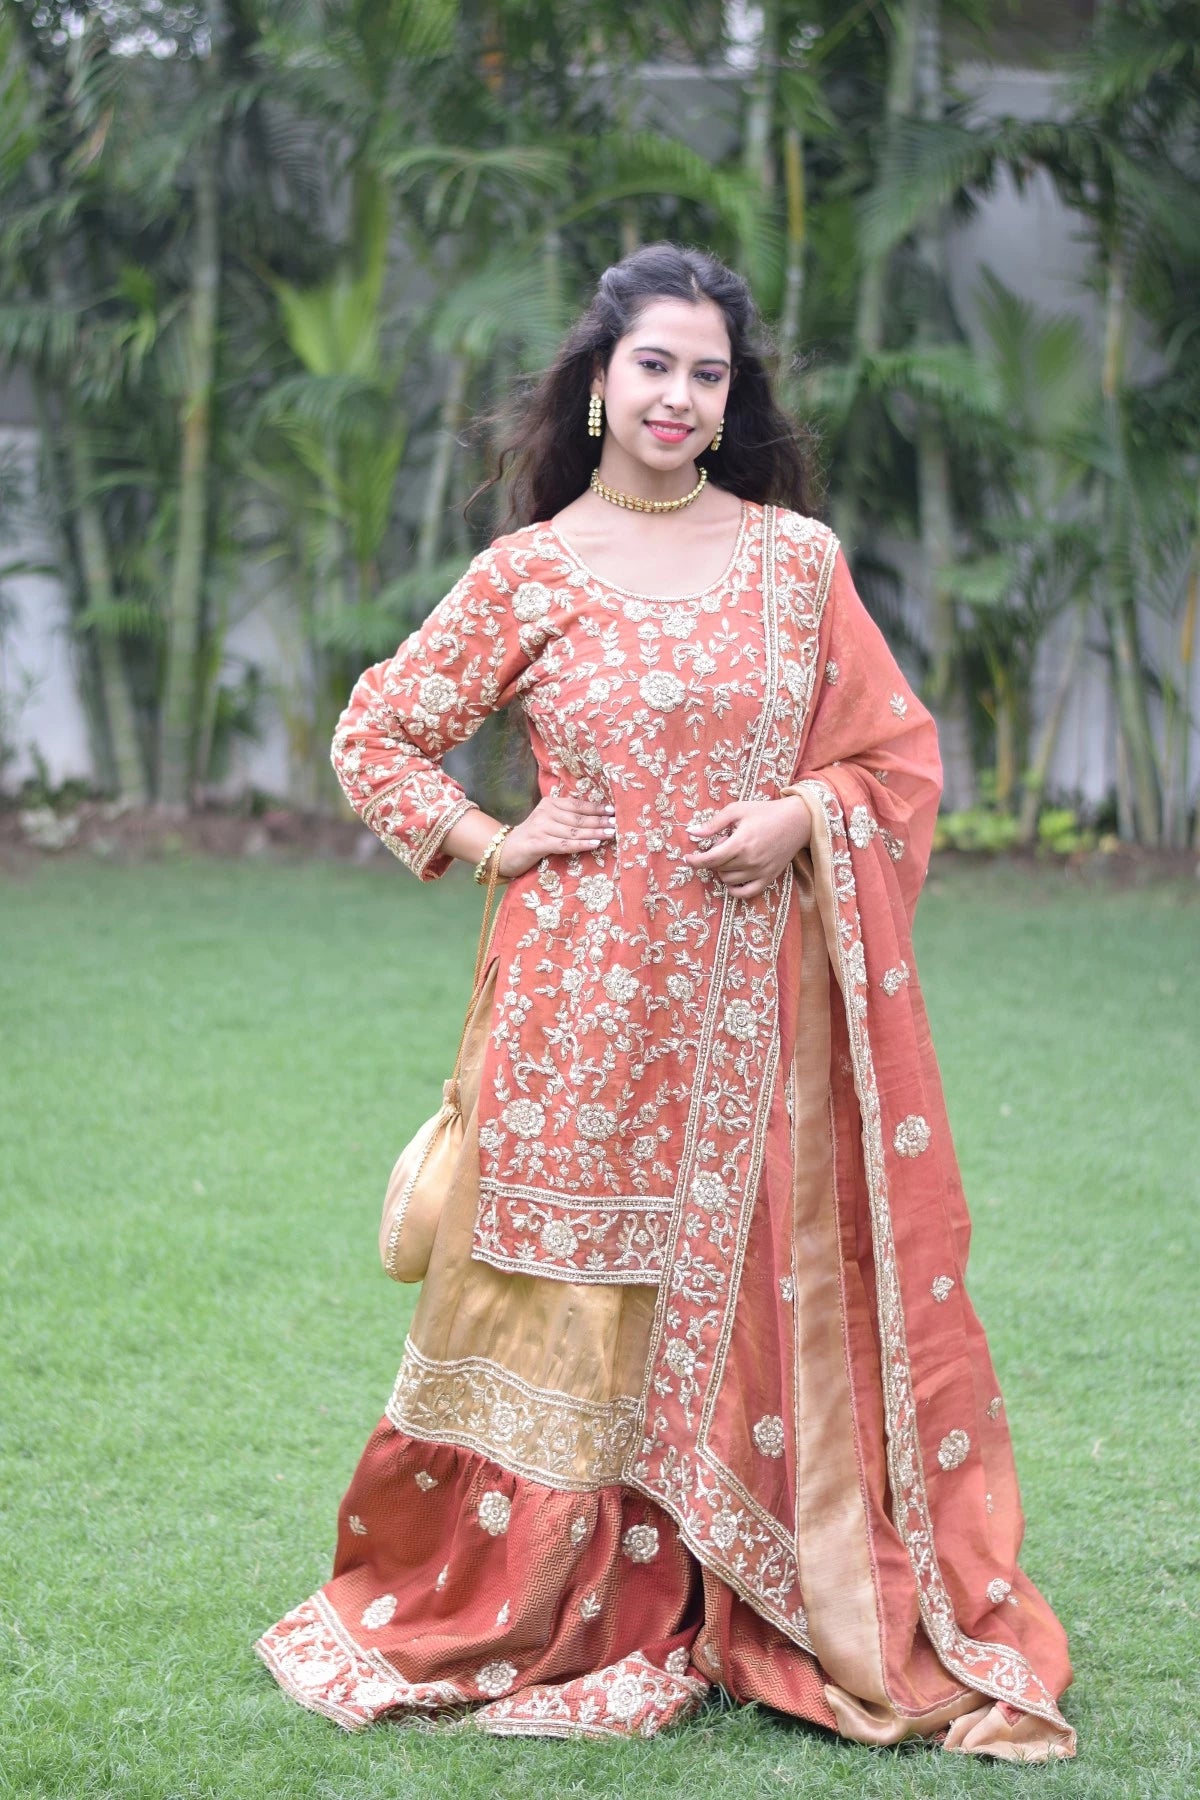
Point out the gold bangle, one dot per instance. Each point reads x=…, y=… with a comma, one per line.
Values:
x=494, y=843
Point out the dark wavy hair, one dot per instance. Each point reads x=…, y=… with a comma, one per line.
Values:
x=546, y=457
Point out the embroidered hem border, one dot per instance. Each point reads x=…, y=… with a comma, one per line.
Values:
x=314, y=1659
x=540, y=1433
x=572, y=1237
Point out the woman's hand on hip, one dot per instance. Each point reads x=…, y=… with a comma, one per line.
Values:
x=762, y=837
x=559, y=825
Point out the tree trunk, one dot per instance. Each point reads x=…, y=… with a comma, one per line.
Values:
x=128, y=767
x=1006, y=733
x=758, y=156
x=184, y=661
x=95, y=567
x=1039, y=769
x=449, y=419
x=56, y=491
x=1178, y=762
x=793, y=275
x=79, y=524
x=872, y=281
x=1133, y=712
x=947, y=695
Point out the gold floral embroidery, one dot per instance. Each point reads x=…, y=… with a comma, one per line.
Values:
x=724, y=1530
x=539, y=1432
x=630, y=1698
x=911, y=1136
x=954, y=1449
x=862, y=827
x=894, y=979
x=495, y=1678
x=640, y=1543
x=768, y=1435
x=495, y=1510
x=315, y=1659
x=741, y=1021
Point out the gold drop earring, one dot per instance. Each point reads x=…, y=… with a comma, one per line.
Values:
x=716, y=443
x=595, y=416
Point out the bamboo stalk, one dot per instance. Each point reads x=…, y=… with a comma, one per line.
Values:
x=1133, y=713
x=449, y=418
x=1188, y=637
x=797, y=222
x=872, y=283
x=1051, y=727
x=128, y=767
x=184, y=662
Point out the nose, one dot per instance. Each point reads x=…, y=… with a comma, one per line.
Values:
x=676, y=393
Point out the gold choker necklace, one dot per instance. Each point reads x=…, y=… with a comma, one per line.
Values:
x=635, y=503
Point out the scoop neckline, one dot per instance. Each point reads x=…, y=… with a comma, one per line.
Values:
x=632, y=593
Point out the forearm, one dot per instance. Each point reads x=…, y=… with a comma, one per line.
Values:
x=796, y=809
x=469, y=836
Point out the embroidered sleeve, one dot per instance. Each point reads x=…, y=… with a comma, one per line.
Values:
x=403, y=715
x=872, y=737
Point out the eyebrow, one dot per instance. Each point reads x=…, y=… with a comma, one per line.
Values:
x=659, y=351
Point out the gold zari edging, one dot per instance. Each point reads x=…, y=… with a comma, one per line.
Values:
x=962, y=1655
x=541, y=1433
x=389, y=787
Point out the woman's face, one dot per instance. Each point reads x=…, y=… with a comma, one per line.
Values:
x=667, y=382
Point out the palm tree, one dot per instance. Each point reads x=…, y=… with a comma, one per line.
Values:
x=1121, y=157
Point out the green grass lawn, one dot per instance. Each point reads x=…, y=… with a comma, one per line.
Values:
x=207, y=1070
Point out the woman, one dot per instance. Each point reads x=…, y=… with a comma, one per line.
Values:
x=693, y=1391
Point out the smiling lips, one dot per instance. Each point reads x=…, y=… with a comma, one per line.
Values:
x=668, y=434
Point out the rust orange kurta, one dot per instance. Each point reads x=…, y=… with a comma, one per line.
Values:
x=734, y=1107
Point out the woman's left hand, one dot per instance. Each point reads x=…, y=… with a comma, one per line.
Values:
x=763, y=837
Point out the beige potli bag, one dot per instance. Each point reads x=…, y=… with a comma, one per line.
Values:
x=420, y=1181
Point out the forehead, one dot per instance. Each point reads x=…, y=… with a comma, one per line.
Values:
x=688, y=329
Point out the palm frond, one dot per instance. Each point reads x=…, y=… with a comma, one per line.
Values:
x=505, y=300
x=371, y=628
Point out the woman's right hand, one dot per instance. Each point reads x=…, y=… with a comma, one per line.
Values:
x=558, y=825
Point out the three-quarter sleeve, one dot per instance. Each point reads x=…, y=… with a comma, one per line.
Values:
x=871, y=739
x=403, y=714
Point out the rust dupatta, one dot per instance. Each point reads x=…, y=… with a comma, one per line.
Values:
x=907, y=1537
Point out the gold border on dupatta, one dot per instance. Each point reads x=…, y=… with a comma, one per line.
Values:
x=963, y=1656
